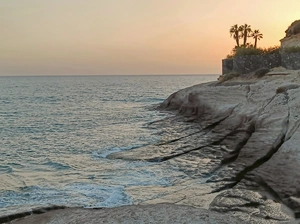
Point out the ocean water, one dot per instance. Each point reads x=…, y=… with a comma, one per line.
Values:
x=55, y=134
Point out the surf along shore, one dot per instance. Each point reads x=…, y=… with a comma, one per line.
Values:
x=237, y=140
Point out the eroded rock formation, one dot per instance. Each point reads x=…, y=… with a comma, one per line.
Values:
x=241, y=139
x=292, y=38
x=293, y=29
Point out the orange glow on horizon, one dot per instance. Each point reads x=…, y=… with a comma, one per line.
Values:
x=131, y=36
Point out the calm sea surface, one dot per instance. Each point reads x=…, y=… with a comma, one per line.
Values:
x=55, y=134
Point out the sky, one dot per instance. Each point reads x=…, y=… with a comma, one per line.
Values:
x=131, y=37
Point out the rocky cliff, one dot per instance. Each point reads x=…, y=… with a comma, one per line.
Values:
x=242, y=140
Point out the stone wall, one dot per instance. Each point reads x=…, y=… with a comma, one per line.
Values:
x=249, y=63
x=227, y=66
x=291, y=60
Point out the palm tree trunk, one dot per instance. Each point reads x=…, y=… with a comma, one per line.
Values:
x=245, y=38
x=255, y=43
x=237, y=39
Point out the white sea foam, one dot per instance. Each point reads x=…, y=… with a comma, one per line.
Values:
x=94, y=196
x=56, y=133
x=103, y=153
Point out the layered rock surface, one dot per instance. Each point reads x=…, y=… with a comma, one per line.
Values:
x=162, y=213
x=292, y=41
x=242, y=139
x=238, y=144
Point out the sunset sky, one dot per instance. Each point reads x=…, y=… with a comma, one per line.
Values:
x=116, y=37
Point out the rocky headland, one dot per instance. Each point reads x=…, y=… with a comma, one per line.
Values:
x=242, y=141
x=237, y=141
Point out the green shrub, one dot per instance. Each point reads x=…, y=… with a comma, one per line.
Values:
x=272, y=50
x=228, y=76
x=291, y=49
x=259, y=73
x=242, y=51
x=229, y=56
x=283, y=89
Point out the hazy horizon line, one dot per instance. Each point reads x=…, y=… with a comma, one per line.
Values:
x=85, y=75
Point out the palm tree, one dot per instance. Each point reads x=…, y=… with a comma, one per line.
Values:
x=235, y=32
x=256, y=36
x=246, y=30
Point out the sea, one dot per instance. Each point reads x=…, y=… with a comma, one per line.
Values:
x=56, y=132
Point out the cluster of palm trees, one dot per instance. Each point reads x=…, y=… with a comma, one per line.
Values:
x=243, y=32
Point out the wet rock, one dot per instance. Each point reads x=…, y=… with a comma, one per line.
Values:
x=159, y=213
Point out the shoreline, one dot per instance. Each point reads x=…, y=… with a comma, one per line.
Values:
x=237, y=142
x=159, y=213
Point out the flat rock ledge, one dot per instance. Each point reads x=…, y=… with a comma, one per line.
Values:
x=159, y=213
x=237, y=144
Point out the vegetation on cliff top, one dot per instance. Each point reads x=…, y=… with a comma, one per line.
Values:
x=294, y=49
x=243, y=32
x=247, y=48
x=241, y=51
